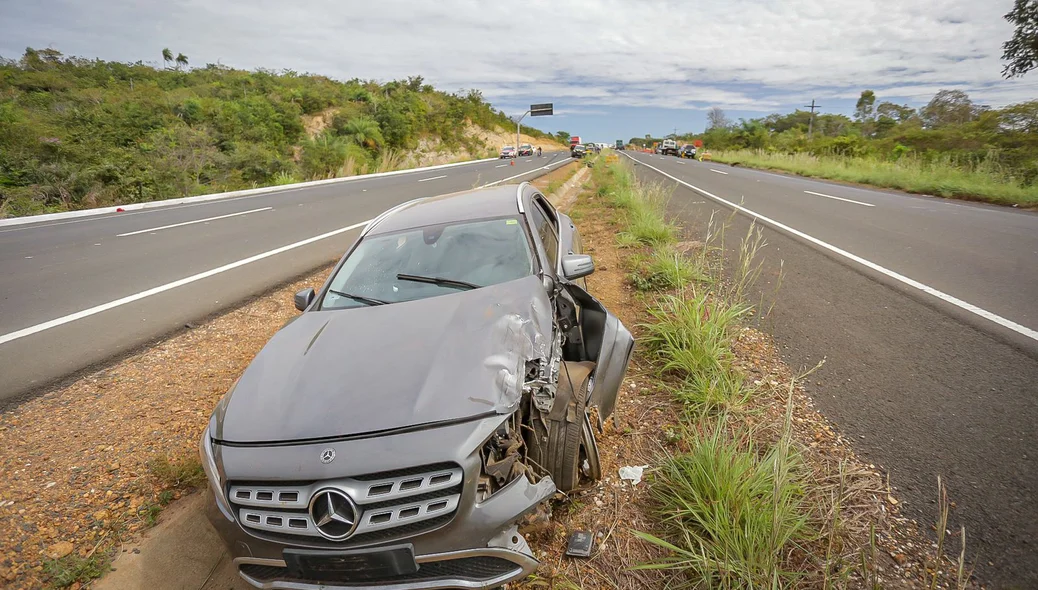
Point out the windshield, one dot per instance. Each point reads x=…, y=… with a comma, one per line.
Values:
x=480, y=253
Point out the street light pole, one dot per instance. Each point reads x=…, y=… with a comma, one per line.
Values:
x=519, y=120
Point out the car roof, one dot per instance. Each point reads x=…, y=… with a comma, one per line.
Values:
x=498, y=201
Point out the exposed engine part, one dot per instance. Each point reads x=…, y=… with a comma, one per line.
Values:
x=542, y=375
x=502, y=459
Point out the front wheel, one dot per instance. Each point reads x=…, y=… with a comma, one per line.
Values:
x=564, y=446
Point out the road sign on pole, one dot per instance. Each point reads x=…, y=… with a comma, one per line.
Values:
x=540, y=110
x=536, y=110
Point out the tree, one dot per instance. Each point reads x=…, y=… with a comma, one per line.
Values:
x=181, y=60
x=898, y=113
x=1022, y=50
x=167, y=56
x=562, y=136
x=364, y=131
x=949, y=107
x=863, y=110
x=716, y=119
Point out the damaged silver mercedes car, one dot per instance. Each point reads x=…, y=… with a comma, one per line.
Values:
x=444, y=383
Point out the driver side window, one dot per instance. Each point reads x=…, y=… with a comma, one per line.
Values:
x=547, y=233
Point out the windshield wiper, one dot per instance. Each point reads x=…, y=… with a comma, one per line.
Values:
x=361, y=298
x=437, y=281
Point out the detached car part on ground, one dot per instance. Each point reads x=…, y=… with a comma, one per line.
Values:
x=447, y=379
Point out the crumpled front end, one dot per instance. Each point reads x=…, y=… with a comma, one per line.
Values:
x=431, y=508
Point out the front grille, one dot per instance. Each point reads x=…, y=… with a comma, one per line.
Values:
x=389, y=504
x=476, y=569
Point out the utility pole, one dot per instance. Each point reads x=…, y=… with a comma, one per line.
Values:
x=811, y=121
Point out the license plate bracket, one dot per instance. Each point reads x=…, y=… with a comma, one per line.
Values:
x=347, y=566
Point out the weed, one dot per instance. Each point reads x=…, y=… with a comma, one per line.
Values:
x=283, y=178
x=72, y=568
x=166, y=496
x=149, y=513
x=183, y=473
x=667, y=269
x=733, y=510
x=713, y=391
x=690, y=335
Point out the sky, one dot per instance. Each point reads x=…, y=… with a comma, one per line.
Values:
x=614, y=69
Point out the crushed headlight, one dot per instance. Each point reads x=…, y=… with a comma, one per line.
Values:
x=212, y=472
x=502, y=458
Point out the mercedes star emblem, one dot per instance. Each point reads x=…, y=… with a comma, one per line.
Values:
x=327, y=455
x=334, y=514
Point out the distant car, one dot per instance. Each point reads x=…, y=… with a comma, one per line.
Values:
x=688, y=151
x=578, y=151
x=507, y=152
x=526, y=150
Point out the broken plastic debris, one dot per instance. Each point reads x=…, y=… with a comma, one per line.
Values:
x=579, y=545
x=633, y=473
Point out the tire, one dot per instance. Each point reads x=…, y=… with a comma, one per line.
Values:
x=560, y=447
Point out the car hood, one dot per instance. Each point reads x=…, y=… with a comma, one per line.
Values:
x=383, y=368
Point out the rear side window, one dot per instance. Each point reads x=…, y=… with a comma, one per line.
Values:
x=547, y=234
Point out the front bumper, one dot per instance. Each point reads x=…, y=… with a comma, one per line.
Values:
x=478, y=548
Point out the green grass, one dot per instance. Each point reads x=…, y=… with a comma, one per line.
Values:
x=711, y=392
x=72, y=568
x=691, y=334
x=942, y=177
x=732, y=511
x=666, y=269
x=179, y=473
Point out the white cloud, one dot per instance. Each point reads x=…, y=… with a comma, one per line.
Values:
x=753, y=55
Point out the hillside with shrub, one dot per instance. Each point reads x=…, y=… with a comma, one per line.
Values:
x=951, y=147
x=78, y=133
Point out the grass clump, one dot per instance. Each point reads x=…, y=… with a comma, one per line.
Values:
x=666, y=269
x=72, y=568
x=732, y=510
x=691, y=334
x=179, y=473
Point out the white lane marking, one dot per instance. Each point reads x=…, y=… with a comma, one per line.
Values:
x=162, y=227
x=168, y=286
x=501, y=166
x=432, y=178
x=840, y=199
x=718, y=171
x=965, y=305
x=548, y=167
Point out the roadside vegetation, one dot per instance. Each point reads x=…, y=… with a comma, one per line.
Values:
x=742, y=496
x=951, y=147
x=77, y=132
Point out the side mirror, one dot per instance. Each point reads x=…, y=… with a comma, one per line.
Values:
x=575, y=266
x=304, y=298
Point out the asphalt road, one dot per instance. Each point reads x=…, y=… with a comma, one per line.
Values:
x=81, y=291
x=881, y=285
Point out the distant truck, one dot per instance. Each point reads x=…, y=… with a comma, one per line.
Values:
x=620, y=144
x=669, y=147
x=574, y=140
